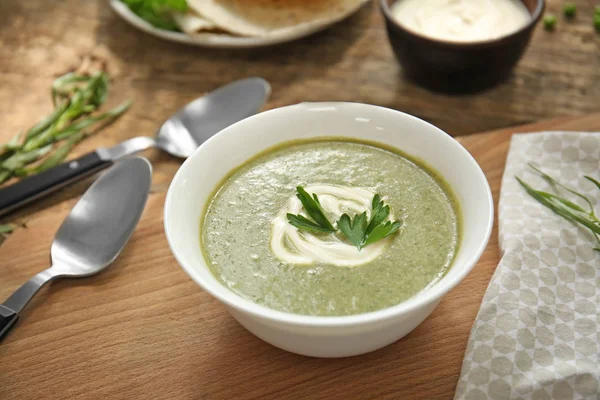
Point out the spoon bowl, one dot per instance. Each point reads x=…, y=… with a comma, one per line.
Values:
x=200, y=119
x=181, y=134
x=98, y=227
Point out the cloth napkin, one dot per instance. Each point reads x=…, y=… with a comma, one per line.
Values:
x=537, y=333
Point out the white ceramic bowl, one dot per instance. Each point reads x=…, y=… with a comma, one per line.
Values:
x=312, y=335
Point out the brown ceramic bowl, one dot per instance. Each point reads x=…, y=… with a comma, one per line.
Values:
x=458, y=67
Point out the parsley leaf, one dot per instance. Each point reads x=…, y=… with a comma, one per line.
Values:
x=379, y=212
x=375, y=230
x=354, y=229
x=381, y=232
x=314, y=211
x=359, y=230
x=301, y=222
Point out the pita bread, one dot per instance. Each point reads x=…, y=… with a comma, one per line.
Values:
x=272, y=17
x=191, y=23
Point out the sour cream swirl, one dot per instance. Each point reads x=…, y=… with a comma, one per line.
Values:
x=295, y=246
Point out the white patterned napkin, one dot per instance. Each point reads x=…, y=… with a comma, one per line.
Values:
x=537, y=333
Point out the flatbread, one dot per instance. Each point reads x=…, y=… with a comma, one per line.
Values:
x=266, y=18
x=191, y=23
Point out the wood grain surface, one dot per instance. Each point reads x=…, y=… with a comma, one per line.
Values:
x=143, y=330
x=352, y=61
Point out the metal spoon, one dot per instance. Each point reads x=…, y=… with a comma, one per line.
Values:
x=93, y=234
x=179, y=136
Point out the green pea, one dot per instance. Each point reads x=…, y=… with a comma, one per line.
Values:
x=570, y=9
x=550, y=22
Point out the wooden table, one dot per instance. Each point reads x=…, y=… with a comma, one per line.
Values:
x=352, y=61
x=143, y=329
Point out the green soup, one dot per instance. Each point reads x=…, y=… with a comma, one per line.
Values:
x=236, y=229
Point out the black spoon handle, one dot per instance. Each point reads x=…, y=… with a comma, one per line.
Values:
x=8, y=318
x=34, y=187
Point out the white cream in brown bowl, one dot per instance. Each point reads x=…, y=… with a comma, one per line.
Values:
x=461, y=20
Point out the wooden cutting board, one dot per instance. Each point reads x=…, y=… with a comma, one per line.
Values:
x=143, y=330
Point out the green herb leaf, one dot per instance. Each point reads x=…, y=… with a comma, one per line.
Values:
x=359, y=230
x=595, y=182
x=360, y=234
x=379, y=212
x=301, y=222
x=83, y=100
x=382, y=231
x=313, y=209
x=567, y=203
x=7, y=149
x=84, y=123
x=354, y=229
x=564, y=208
x=99, y=90
x=557, y=184
x=64, y=86
x=158, y=12
x=53, y=159
x=19, y=160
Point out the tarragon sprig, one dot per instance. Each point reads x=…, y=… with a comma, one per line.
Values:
x=358, y=230
x=564, y=207
x=75, y=97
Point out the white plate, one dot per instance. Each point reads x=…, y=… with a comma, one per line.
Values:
x=216, y=39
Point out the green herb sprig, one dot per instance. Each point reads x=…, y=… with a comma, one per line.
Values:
x=564, y=207
x=75, y=98
x=358, y=230
x=319, y=222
